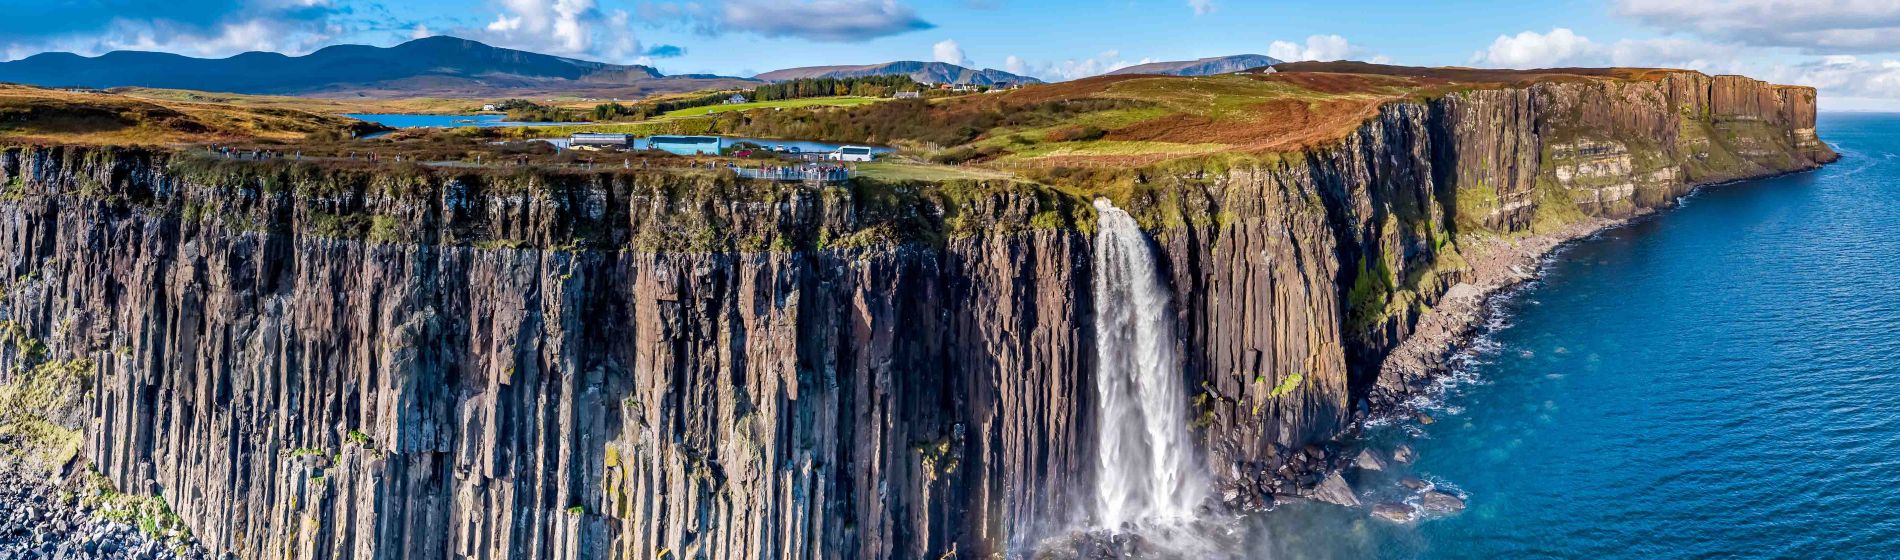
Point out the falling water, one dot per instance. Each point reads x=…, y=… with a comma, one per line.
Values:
x=1144, y=464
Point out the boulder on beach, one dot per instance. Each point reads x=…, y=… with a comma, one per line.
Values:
x=1369, y=460
x=1334, y=490
x=1425, y=419
x=1404, y=453
x=1442, y=502
x=1395, y=512
x=1415, y=483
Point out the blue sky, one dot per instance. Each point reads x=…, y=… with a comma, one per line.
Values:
x=1848, y=48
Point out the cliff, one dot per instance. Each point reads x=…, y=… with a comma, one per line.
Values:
x=402, y=362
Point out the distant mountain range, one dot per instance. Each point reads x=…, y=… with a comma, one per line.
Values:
x=1202, y=67
x=453, y=67
x=922, y=72
x=445, y=66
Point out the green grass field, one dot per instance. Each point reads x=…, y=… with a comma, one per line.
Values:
x=781, y=104
x=904, y=171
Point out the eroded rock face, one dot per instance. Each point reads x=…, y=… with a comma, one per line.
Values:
x=383, y=366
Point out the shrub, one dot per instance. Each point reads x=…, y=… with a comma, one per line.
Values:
x=1077, y=134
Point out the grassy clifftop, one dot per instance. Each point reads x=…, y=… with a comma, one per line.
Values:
x=50, y=116
x=1129, y=121
x=1510, y=151
x=662, y=210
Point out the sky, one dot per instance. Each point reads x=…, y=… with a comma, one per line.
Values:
x=1850, y=49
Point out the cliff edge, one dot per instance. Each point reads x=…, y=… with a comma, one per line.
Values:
x=398, y=362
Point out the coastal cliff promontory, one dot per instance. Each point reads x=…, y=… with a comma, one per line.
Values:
x=380, y=361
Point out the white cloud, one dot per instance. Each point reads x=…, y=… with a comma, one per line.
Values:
x=1754, y=37
x=420, y=32
x=1318, y=47
x=620, y=40
x=194, y=28
x=1071, y=69
x=949, y=52
x=1530, y=49
x=226, y=39
x=576, y=28
x=1562, y=47
x=1676, y=53
x=1815, y=26
x=557, y=26
x=1201, y=7
x=1844, y=81
x=1845, y=77
x=820, y=20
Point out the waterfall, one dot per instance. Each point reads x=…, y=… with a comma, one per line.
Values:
x=1144, y=459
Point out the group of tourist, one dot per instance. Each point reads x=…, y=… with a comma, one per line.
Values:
x=251, y=154
x=825, y=173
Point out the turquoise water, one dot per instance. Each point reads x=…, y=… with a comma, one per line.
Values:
x=1720, y=380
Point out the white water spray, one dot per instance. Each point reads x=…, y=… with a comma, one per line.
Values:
x=1144, y=461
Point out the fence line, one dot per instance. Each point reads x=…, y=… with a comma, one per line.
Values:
x=802, y=174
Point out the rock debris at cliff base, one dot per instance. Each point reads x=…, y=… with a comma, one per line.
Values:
x=70, y=520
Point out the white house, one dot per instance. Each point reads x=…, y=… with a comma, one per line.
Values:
x=852, y=153
x=907, y=95
x=490, y=107
x=735, y=99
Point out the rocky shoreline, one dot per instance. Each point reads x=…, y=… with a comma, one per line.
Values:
x=1414, y=367
x=1498, y=264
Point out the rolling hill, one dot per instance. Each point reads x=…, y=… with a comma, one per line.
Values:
x=39, y=115
x=438, y=66
x=1202, y=67
x=922, y=72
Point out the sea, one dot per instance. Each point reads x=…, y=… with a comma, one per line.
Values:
x=1718, y=380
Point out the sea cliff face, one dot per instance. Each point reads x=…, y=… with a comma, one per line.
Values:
x=388, y=363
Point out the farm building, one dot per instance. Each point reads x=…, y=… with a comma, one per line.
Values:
x=686, y=145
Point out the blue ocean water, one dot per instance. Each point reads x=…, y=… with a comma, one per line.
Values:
x=1721, y=380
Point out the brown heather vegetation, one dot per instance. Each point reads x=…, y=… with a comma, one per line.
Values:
x=324, y=105
x=1102, y=128
x=1137, y=120
x=1103, y=121
x=39, y=115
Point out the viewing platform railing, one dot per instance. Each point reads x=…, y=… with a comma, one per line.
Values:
x=807, y=174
